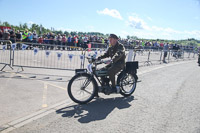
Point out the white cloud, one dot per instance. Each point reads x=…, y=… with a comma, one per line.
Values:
x=137, y=23
x=30, y=23
x=124, y=34
x=170, y=30
x=154, y=32
x=90, y=28
x=155, y=28
x=65, y=29
x=113, y=13
x=149, y=18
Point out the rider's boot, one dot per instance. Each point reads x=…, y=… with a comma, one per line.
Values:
x=114, y=89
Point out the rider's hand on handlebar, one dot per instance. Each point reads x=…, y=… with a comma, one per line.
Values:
x=108, y=61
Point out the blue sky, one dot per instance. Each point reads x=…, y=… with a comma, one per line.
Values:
x=152, y=19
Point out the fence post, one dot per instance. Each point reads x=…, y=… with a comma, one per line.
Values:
x=10, y=65
x=168, y=55
x=148, y=62
x=194, y=54
x=189, y=55
x=134, y=55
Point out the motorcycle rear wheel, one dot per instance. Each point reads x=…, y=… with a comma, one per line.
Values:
x=127, y=83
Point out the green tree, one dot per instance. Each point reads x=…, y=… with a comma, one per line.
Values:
x=6, y=24
x=25, y=26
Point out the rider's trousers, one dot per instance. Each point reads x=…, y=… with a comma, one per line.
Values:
x=113, y=69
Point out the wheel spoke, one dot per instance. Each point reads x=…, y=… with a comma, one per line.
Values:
x=88, y=92
x=86, y=83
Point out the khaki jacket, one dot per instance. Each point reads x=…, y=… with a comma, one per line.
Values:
x=116, y=53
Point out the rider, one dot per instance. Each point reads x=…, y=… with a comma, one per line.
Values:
x=117, y=54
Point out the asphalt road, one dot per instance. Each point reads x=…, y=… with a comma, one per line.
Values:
x=166, y=101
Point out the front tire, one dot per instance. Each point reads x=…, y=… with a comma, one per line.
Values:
x=127, y=83
x=82, y=88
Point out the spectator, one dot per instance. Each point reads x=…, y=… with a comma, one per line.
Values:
x=75, y=41
x=64, y=39
x=55, y=39
x=102, y=40
x=59, y=40
x=40, y=40
x=51, y=40
x=85, y=40
x=69, y=42
x=18, y=39
x=18, y=36
x=165, y=50
x=30, y=37
x=80, y=41
x=6, y=35
x=1, y=34
x=25, y=36
x=35, y=37
x=12, y=36
x=45, y=40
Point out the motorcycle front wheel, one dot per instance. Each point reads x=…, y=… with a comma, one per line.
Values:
x=82, y=88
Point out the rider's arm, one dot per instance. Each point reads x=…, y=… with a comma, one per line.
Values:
x=105, y=55
x=120, y=53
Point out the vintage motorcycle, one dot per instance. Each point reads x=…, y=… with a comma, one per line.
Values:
x=83, y=87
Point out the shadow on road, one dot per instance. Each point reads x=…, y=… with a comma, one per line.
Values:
x=98, y=109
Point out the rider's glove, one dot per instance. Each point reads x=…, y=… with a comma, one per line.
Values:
x=108, y=61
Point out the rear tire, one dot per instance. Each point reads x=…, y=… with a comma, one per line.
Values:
x=127, y=83
x=82, y=88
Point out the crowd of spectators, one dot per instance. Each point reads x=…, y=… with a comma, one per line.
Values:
x=78, y=41
x=51, y=38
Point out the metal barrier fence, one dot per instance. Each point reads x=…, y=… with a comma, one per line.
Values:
x=5, y=53
x=35, y=55
x=149, y=57
x=48, y=56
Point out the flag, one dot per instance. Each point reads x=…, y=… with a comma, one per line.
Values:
x=96, y=52
x=70, y=56
x=35, y=51
x=81, y=57
x=59, y=55
x=47, y=53
x=100, y=50
x=13, y=46
x=24, y=46
x=89, y=47
x=4, y=47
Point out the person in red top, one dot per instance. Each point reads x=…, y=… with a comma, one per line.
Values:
x=40, y=40
x=161, y=45
x=64, y=39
